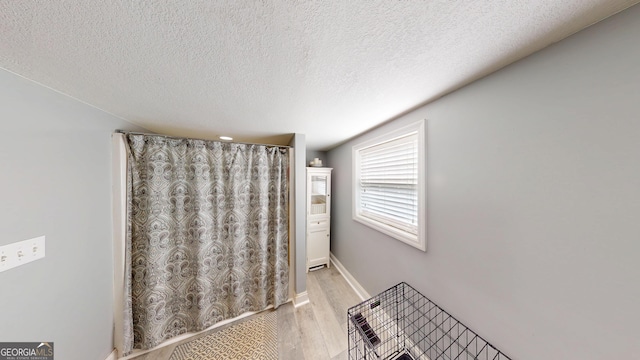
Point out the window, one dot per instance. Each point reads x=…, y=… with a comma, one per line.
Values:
x=389, y=184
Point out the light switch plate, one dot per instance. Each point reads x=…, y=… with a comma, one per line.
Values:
x=22, y=252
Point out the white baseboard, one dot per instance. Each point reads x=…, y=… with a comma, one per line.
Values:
x=301, y=299
x=113, y=355
x=362, y=293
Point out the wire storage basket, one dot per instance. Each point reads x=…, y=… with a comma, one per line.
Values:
x=402, y=324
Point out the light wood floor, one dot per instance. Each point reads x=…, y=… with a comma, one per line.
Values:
x=317, y=330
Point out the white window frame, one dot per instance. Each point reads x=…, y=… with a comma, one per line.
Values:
x=416, y=240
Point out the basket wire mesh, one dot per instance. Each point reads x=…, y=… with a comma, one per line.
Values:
x=402, y=324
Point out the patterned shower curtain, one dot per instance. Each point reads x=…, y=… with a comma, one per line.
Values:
x=207, y=234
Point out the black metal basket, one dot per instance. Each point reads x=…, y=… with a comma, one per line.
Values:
x=402, y=324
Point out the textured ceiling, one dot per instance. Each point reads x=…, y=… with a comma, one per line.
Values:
x=259, y=70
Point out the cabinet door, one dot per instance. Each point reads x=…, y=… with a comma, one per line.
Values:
x=317, y=246
x=319, y=193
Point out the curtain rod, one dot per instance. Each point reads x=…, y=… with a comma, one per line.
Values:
x=186, y=138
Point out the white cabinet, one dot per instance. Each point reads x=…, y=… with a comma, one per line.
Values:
x=317, y=246
x=318, y=216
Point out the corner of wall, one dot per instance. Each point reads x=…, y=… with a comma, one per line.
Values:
x=298, y=214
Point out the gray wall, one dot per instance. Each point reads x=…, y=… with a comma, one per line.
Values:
x=55, y=179
x=322, y=155
x=533, y=202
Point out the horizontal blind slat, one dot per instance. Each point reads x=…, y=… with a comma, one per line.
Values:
x=388, y=182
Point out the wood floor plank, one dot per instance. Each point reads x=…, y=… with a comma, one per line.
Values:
x=338, y=291
x=334, y=334
x=313, y=345
x=289, y=342
x=342, y=356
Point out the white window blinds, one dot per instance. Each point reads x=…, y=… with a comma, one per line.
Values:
x=388, y=183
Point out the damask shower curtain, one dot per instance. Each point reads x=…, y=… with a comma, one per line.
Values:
x=207, y=234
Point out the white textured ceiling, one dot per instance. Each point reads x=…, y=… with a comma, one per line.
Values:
x=258, y=70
